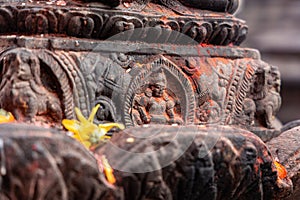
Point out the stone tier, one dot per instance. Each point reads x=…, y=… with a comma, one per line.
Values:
x=138, y=83
x=155, y=24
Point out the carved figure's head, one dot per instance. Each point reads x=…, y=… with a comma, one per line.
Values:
x=158, y=83
x=274, y=79
x=259, y=81
x=22, y=65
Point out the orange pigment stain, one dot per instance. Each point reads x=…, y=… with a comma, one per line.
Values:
x=281, y=171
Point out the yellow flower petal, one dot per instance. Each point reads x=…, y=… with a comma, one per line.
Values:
x=71, y=125
x=109, y=126
x=6, y=116
x=85, y=131
x=87, y=144
x=80, y=116
x=93, y=113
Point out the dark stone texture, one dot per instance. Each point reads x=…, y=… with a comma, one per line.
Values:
x=189, y=162
x=286, y=148
x=39, y=163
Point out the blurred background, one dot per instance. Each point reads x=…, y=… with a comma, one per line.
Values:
x=274, y=29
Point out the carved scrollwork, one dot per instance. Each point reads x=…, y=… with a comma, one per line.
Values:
x=7, y=20
x=224, y=33
x=198, y=31
x=229, y=6
x=78, y=24
x=164, y=31
x=121, y=25
x=101, y=24
x=238, y=88
x=37, y=21
x=243, y=31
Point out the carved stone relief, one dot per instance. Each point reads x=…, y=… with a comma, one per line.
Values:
x=265, y=93
x=196, y=89
x=159, y=93
x=98, y=23
x=155, y=105
x=156, y=62
x=23, y=91
x=178, y=5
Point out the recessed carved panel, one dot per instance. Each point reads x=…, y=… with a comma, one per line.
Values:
x=159, y=93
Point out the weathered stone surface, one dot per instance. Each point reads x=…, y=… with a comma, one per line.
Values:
x=189, y=162
x=202, y=84
x=95, y=21
x=38, y=163
x=275, y=31
x=287, y=147
x=145, y=63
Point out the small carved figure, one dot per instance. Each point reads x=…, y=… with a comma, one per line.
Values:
x=21, y=89
x=155, y=105
x=219, y=91
x=211, y=110
x=265, y=91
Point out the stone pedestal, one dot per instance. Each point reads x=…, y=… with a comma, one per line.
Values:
x=175, y=66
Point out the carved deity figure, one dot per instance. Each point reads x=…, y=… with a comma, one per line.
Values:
x=211, y=109
x=155, y=105
x=265, y=93
x=21, y=88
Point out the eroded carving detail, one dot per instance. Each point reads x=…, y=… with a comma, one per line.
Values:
x=212, y=110
x=177, y=5
x=22, y=91
x=265, y=92
x=99, y=23
x=155, y=105
x=159, y=93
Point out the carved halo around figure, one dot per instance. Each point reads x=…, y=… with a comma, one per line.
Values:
x=160, y=93
x=34, y=87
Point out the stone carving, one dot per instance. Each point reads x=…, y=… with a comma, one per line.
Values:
x=45, y=165
x=22, y=91
x=168, y=62
x=265, y=92
x=247, y=116
x=155, y=105
x=221, y=6
x=213, y=108
x=41, y=21
x=227, y=163
x=159, y=93
x=101, y=24
x=238, y=89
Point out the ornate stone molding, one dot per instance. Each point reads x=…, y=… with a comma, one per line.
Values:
x=99, y=23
